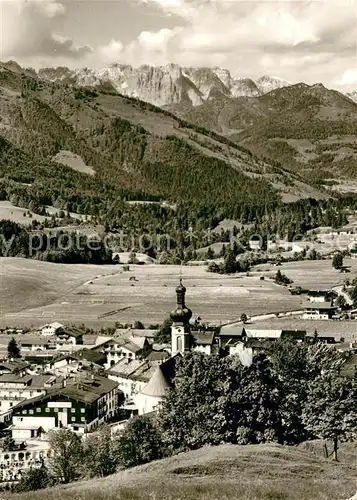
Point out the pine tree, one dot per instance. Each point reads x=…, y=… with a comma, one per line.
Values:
x=337, y=261
x=13, y=350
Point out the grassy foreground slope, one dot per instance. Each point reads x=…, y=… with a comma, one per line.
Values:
x=264, y=472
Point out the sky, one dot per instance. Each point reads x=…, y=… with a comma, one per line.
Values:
x=298, y=40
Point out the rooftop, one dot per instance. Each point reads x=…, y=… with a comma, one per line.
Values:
x=55, y=324
x=32, y=381
x=158, y=355
x=126, y=367
x=157, y=386
x=85, y=390
x=319, y=305
x=71, y=332
x=263, y=333
x=14, y=365
x=203, y=338
x=130, y=346
x=232, y=331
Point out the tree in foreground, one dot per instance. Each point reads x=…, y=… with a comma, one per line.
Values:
x=13, y=350
x=139, y=443
x=100, y=456
x=219, y=400
x=67, y=459
x=330, y=411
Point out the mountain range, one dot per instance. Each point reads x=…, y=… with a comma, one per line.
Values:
x=169, y=84
x=207, y=144
x=137, y=151
x=165, y=85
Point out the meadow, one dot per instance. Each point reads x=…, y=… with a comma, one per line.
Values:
x=311, y=274
x=227, y=472
x=33, y=293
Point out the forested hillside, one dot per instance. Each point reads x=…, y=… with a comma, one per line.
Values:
x=178, y=177
x=307, y=129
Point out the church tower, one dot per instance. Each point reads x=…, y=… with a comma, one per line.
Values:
x=180, y=330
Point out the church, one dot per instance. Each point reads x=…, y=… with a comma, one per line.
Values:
x=184, y=336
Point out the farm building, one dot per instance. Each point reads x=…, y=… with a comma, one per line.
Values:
x=319, y=311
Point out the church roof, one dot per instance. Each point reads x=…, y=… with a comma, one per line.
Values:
x=157, y=385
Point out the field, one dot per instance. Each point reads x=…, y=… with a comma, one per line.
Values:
x=311, y=274
x=33, y=293
x=73, y=161
x=227, y=472
x=9, y=211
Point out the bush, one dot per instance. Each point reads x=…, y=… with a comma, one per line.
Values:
x=35, y=479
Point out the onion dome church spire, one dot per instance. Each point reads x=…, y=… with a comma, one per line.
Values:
x=181, y=314
x=180, y=330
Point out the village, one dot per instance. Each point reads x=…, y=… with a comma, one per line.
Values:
x=58, y=377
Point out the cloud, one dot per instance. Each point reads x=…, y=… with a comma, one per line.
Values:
x=311, y=40
x=33, y=28
x=149, y=48
x=305, y=35
x=349, y=77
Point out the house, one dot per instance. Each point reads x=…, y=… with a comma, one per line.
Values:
x=320, y=296
x=66, y=338
x=115, y=349
x=319, y=310
x=229, y=335
x=239, y=348
x=15, y=388
x=123, y=372
x=231, y=332
x=29, y=343
x=22, y=432
x=51, y=328
x=203, y=341
x=133, y=375
x=81, y=405
x=16, y=366
x=65, y=364
x=324, y=338
x=135, y=332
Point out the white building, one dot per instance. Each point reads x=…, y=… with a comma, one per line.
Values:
x=153, y=394
x=117, y=349
x=51, y=328
x=16, y=388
